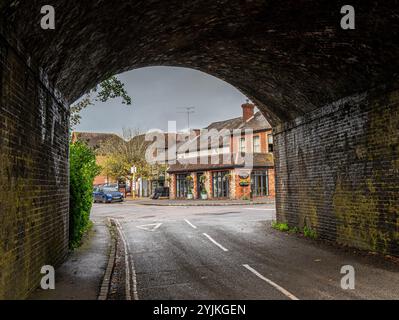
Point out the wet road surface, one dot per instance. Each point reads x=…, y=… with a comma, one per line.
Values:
x=233, y=253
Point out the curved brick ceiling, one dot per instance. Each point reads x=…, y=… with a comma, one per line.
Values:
x=288, y=56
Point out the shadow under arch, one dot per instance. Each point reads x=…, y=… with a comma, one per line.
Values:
x=331, y=93
x=289, y=58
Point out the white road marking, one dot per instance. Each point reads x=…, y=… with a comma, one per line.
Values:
x=190, y=224
x=260, y=209
x=127, y=262
x=150, y=227
x=218, y=244
x=273, y=284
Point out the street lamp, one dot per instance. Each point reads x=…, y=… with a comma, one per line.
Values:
x=133, y=171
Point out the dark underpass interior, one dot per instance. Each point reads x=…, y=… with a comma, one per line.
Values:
x=331, y=95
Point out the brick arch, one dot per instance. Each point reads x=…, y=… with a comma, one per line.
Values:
x=290, y=57
x=331, y=95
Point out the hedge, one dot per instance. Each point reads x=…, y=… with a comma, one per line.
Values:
x=83, y=170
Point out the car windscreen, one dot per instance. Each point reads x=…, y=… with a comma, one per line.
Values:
x=110, y=189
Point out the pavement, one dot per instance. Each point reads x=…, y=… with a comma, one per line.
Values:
x=80, y=277
x=199, y=203
x=227, y=252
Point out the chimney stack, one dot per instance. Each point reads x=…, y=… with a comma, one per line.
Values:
x=247, y=111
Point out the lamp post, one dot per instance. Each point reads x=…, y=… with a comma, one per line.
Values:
x=133, y=171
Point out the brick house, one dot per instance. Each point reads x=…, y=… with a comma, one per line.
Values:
x=197, y=170
x=143, y=187
x=94, y=141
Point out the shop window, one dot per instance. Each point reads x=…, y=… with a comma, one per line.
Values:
x=221, y=184
x=260, y=183
x=181, y=186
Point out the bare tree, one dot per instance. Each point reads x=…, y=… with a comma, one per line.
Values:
x=120, y=155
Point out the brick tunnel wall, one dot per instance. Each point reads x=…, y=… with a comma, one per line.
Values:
x=338, y=172
x=33, y=175
x=337, y=167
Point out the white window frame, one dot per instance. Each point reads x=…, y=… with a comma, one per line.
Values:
x=242, y=144
x=257, y=146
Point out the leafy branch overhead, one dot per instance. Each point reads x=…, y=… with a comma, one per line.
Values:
x=108, y=89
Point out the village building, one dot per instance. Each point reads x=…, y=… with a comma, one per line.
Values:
x=205, y=170
x=143, y=186
x=94, y=140
x=197, y=175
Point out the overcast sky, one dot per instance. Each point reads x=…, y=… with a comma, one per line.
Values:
x=159, y=94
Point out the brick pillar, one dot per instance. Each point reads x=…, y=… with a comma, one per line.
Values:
x=233, y=184
x=272, y=182
x=208, y=183
x=195, y=185
x=172, y=186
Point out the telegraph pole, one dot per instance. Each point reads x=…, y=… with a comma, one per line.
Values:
x=189, y=111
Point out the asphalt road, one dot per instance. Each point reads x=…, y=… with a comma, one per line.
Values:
x=233, y=253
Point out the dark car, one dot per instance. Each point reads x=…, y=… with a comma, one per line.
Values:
x=107, y=194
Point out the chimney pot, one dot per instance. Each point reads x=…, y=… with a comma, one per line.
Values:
x=247, y=111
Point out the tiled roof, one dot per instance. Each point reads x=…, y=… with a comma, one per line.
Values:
x=205, y=163
x=257, y=122
x=94, y=139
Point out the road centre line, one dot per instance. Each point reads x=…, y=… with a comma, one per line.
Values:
x=273, y=284
x=190, y=224
x=216, y=243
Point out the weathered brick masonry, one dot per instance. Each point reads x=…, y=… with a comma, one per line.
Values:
x=338, y=171
x=337, y=167
x=33, y=175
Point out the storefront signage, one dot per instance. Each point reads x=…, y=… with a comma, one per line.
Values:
x=244, y=181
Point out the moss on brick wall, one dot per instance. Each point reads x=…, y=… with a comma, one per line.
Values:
x=338, y=172
x=33, y=176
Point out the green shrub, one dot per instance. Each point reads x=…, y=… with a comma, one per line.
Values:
x=309, y=233
x=280, y=226
x=83, y=170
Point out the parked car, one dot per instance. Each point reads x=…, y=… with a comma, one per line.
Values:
x=107, y=194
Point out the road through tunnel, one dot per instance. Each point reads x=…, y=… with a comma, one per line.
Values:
x=331, y=95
